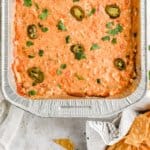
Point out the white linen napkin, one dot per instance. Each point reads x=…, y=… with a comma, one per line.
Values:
x=113, y=131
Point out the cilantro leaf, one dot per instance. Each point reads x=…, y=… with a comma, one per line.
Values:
x=61, y=26
x=28, y=3
x=94, y=47
x=114, y=41
x=44, y=14
x=116, y=30
x=68, y=39
x=63, y=66
x=29, y=43
x=92, y=12
x=109, y=25
x=106, y=38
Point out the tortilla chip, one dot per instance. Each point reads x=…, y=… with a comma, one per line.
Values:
x=147, y=140
x=65, y=143
x=139, y=131
x=138, y=137
x=147, y=114
x=144, y=147
x=120, y=146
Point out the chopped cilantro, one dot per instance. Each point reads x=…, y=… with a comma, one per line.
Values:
x=36, y=6
x=63, y=66
x=118, y=29
x=61, y=26
x=44, y=29
x=58, y=71
x=44, y=14
x=32, y=93
x=109, y=25
x=28, y=3
x=68, y=39
x=79, y=77
x=92, y=12
x=106, y=38
x=29, y=43
x=59, y=86
x=80, y=55
x=114, y=41
x=94, y=47
x=41, y=52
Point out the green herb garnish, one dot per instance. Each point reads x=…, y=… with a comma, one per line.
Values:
x=98, y=81
x=92, y=12
x=94, y=47
x=109, y=25
x=78, y=51
x=79, y=77
x=118, y=29
x=106, y=38
x=58, y=71
x=29, y=43
x=36, y=6
x=28, y=3
x=149, y=47
x=68, y=39
x=114, y=41
x=63, y=66
x=61, y=26
x=41, y=53
x=59, y=86
x=32, y=93
x=149, y=75
x=44, y=14
x=44, y=29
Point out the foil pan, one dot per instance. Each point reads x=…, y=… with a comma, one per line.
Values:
x=76, y=107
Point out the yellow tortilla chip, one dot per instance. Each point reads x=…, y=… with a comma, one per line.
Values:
x=144, y=147
x=147, y=140
x=139, y=131
x=65, y=143
x=138, y=137
x=120, y=146
x=147, y=114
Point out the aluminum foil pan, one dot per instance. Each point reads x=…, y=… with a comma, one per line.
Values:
x=87, y=107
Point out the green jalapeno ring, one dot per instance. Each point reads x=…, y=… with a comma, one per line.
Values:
x=36, y=75
x=120, y=64
x=78, y=51
x=113, y=11
x=32, y=31
x=77, y=12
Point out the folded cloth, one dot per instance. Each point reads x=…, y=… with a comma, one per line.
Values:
x=112, y=131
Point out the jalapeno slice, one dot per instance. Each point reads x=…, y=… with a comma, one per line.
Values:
x=36, y=75
x=113, y=11
x=120, y=64
x=32, y=31
x=78, y=51
x=77, y=12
